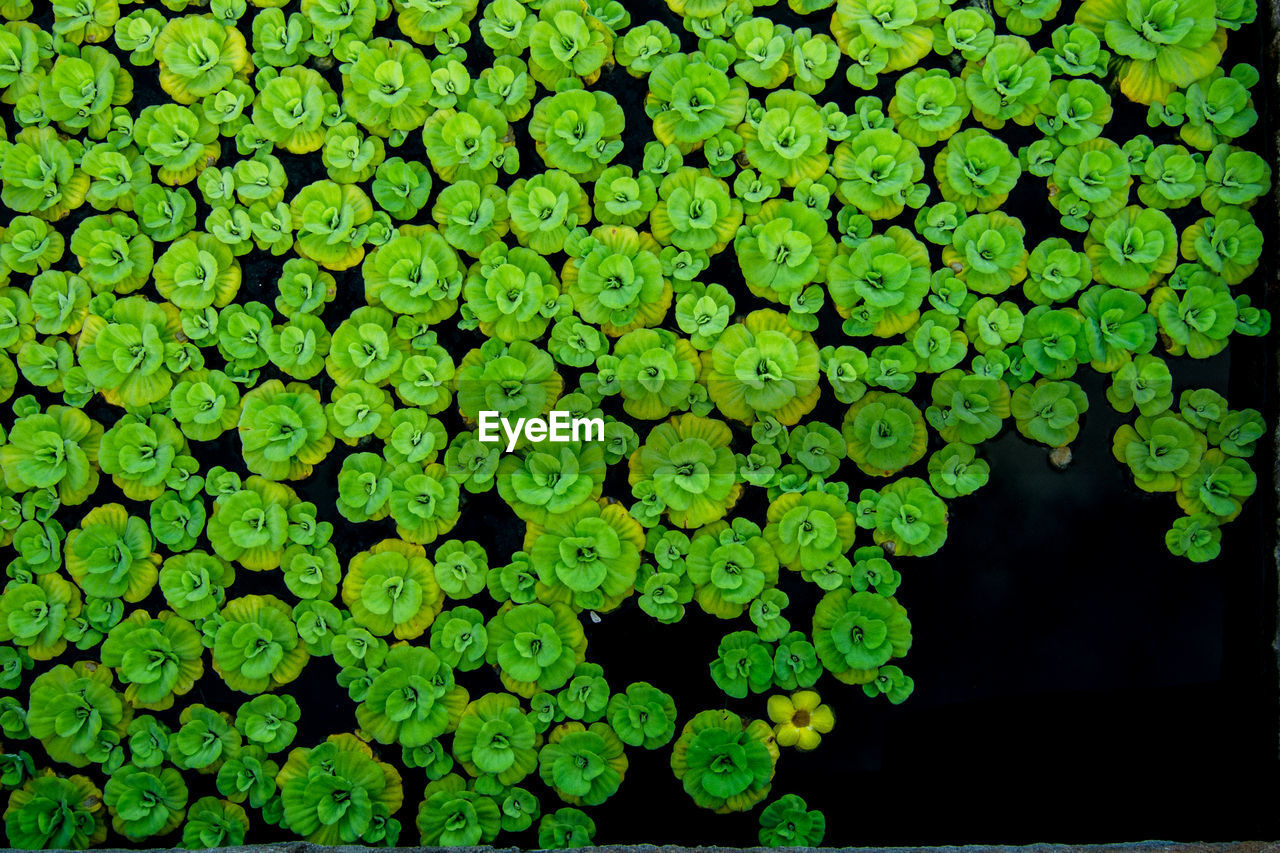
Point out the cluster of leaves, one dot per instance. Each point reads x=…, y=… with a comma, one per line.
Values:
x=252, y=245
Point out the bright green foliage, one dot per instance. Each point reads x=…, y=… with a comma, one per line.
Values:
x=333, y=792
x=892, y=683
x=968, y=407
x=566, y=828
x=412, y=699
x=1049, y=412
x=257, y=645
x=987, y=252
x=787, y=822
x=1144, y=382
x=976, y=170
x=692, y=471
x=110, y=554
x=1133, y=249
x=1092, y=182
x=145, y=803
x=690, y=99
x=879, y=173
x=212, y=822
x=451, y=815
x=1197, y=537
x=586, y=695
x=856, y=632
x=1056, y=272
x=577, y=131
x=55, y=449
x=158, y=659
x=724, y=762
x=535, y=645
x=782, y=248
x=743, y=663
x=51, y=811
x=495, y=740
x=587, y=557
x=729, y=566
x=1153, y=63
x=762, y=366
x=584, y=765
x=885, y=433
x=615, y=279
x=392, y=589
x=74, y=711
x=907, y=514
x=269, y=721
x=330, y=238
x=204, y=739
x=955, y=470
x=1161, y=451
x=643, y=716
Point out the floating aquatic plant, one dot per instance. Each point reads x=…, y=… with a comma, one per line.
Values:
x=252, y=248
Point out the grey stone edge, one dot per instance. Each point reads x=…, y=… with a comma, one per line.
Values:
x=1134, y=847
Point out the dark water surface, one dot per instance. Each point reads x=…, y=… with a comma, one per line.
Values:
x=1074, y=682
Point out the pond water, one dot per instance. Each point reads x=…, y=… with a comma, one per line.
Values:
x=1074, y=682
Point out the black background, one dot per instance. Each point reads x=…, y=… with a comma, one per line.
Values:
x=1074, y=682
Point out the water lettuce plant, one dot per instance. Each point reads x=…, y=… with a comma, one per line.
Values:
x=787, y=822
x=266, y=266
x=725, y=763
